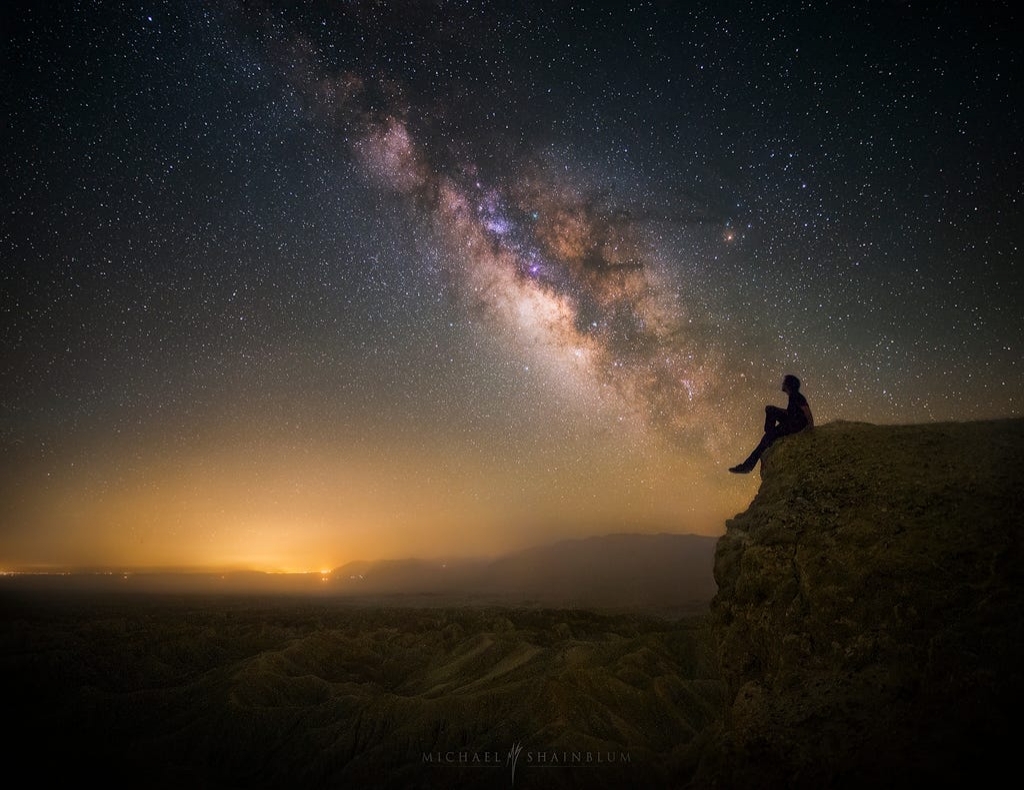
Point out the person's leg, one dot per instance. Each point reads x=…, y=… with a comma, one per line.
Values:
x=773, y=416
x=755, y=456
x=775, y=425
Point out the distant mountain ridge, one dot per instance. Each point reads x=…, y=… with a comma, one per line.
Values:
x=617, y=570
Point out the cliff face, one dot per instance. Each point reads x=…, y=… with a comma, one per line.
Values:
x=870, y=612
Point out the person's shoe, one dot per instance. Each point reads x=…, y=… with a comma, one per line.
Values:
x=740, y=469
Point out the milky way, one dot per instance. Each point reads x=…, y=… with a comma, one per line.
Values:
x=550, y=262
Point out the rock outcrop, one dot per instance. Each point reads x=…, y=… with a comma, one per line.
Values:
x=870, y=612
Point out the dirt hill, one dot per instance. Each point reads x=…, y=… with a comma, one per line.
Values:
x=870, y=613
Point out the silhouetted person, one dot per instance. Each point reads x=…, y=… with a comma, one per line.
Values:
x=780, y=422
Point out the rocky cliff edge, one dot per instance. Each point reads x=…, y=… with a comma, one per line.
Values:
x=870, y=610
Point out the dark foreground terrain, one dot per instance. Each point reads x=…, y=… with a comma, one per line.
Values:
x=190, y=691
x=867, y=632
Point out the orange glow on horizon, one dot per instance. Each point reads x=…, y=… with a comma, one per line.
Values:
x=242, y=504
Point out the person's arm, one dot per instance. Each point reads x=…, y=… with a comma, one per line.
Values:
x=807, y=413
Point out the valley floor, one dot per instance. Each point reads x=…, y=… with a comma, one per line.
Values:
x=170, y=691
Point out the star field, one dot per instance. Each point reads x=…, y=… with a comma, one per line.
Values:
x=287, y=287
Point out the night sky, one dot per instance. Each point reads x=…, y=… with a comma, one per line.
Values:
x=285, y=288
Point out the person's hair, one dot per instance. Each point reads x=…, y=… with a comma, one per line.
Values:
x=792, y=382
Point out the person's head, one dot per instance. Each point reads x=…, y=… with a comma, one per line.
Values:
x=790, y=383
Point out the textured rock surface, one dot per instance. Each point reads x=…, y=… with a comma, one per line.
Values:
x=869, y=614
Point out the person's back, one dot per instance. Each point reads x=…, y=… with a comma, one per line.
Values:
x=798, y=411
